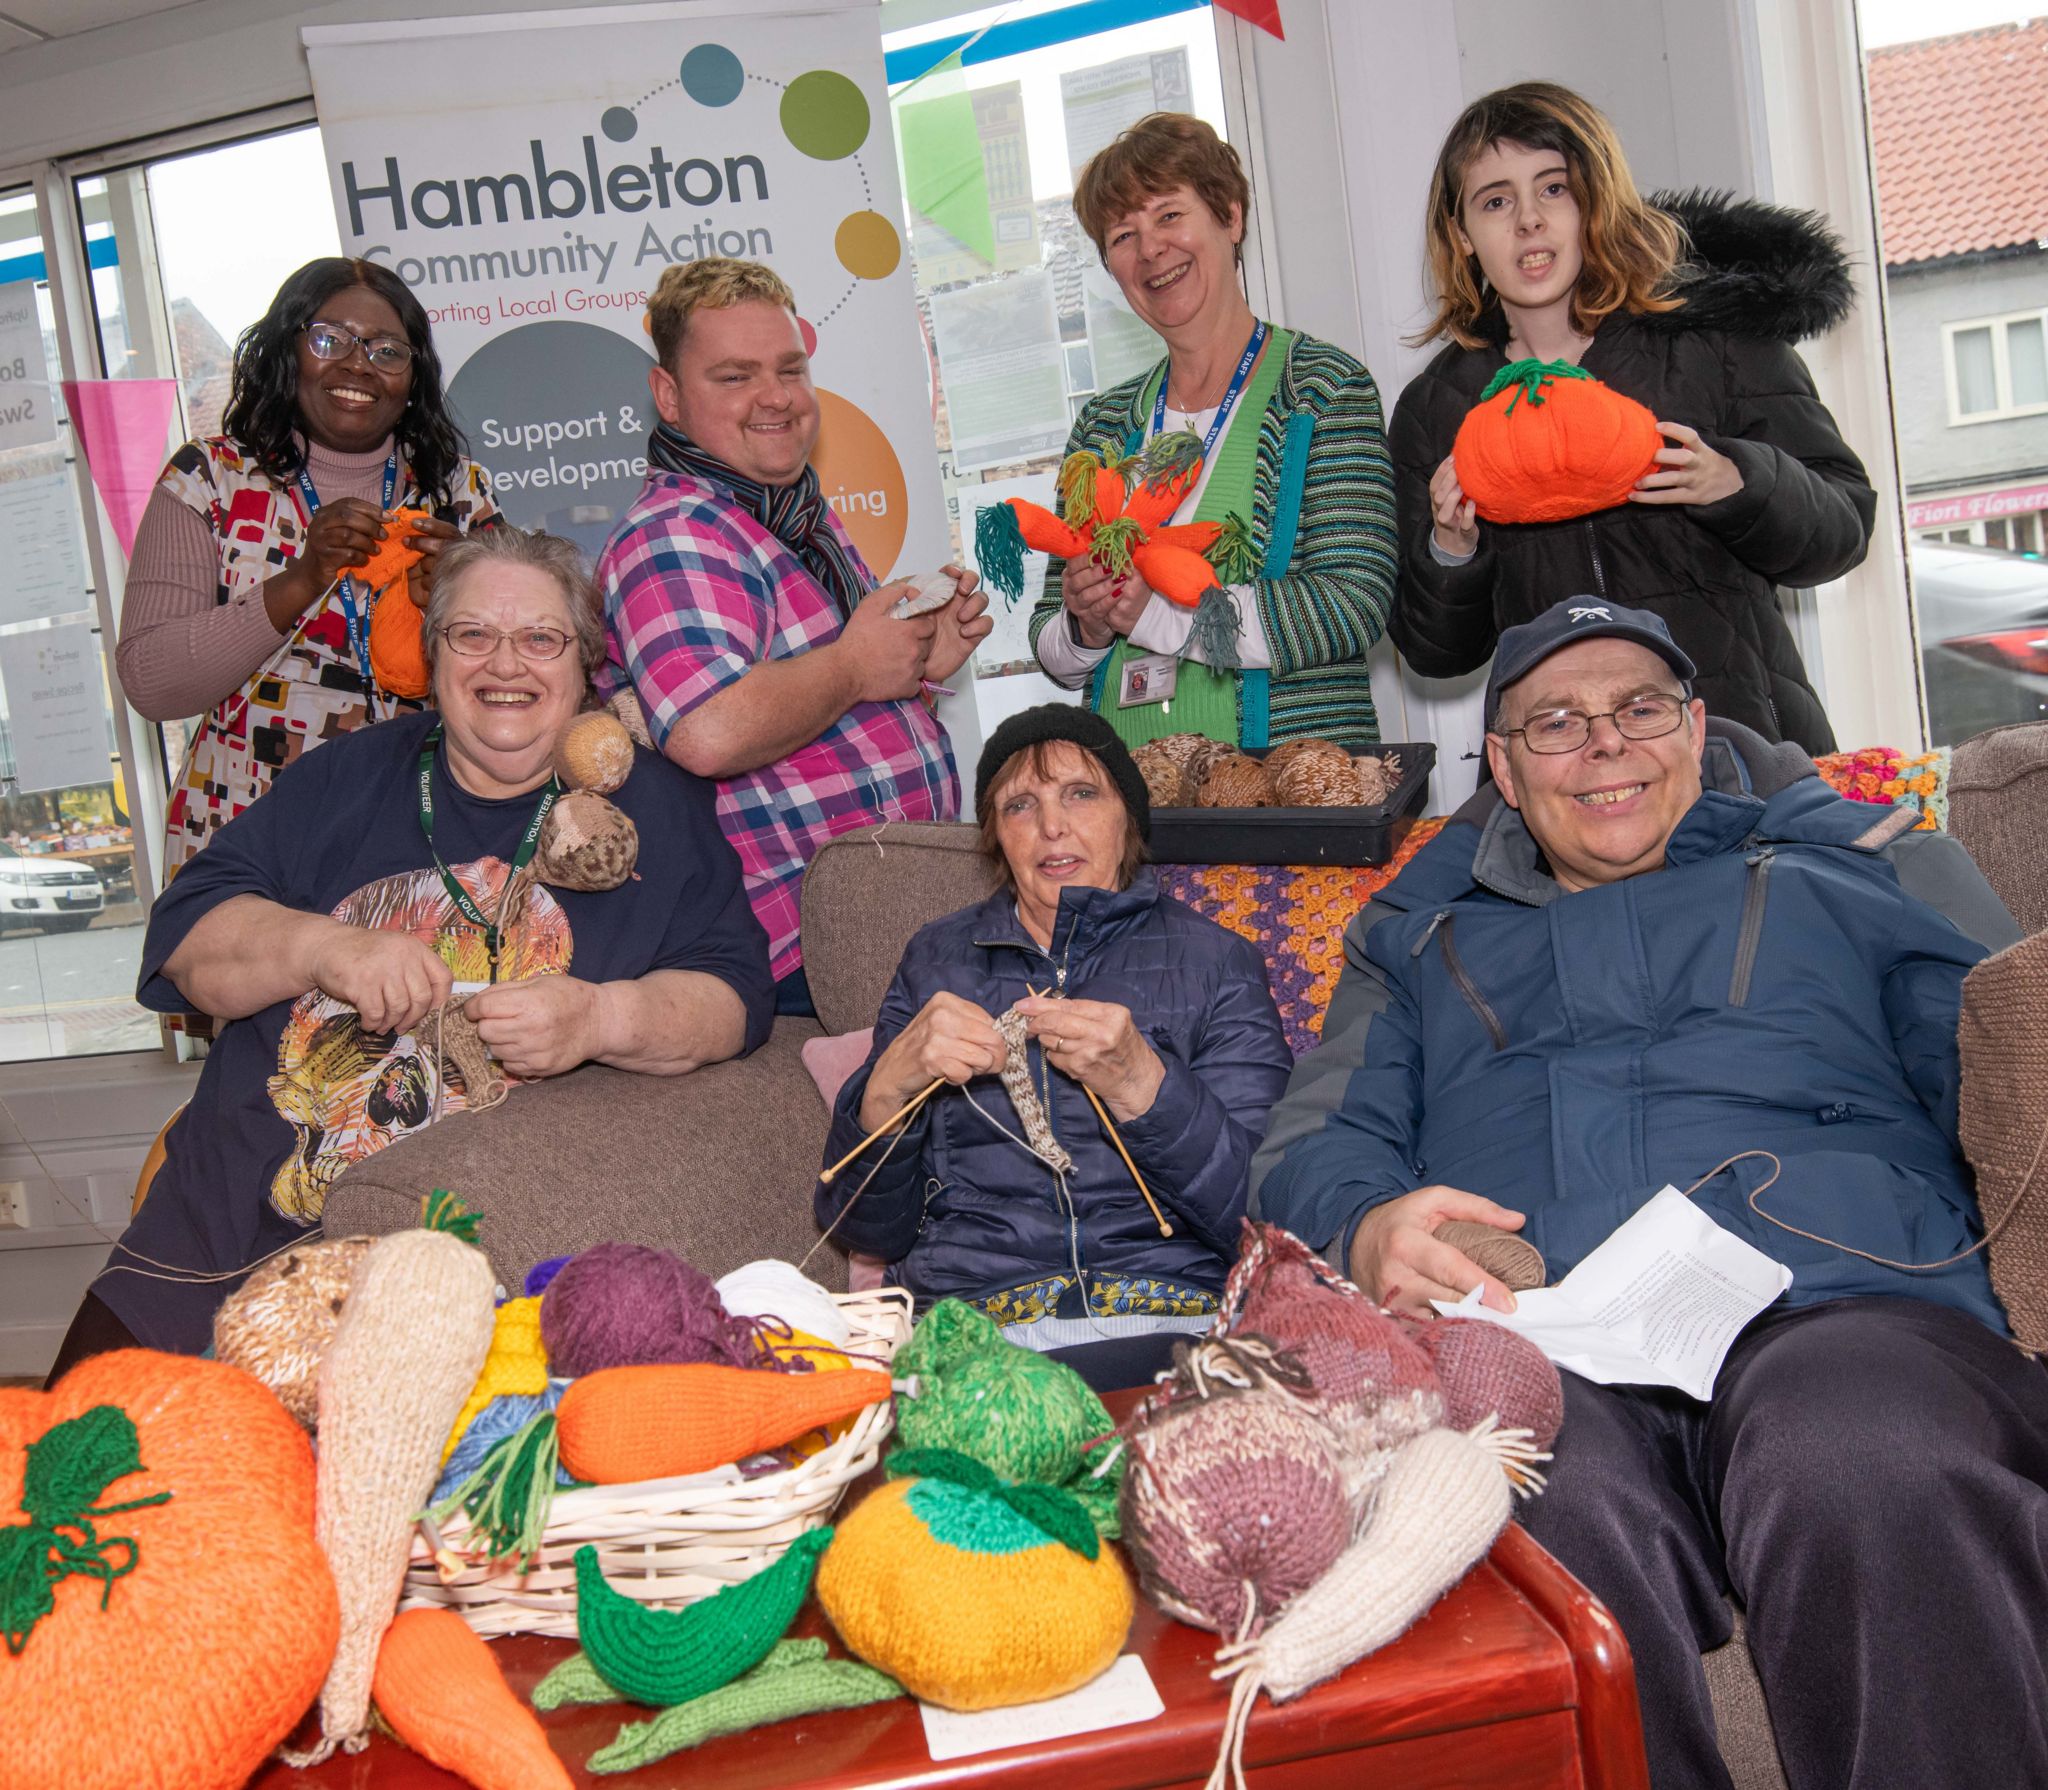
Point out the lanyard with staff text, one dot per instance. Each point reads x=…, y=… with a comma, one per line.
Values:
x=345, y=586
x=1223, y=410
x=528, y=845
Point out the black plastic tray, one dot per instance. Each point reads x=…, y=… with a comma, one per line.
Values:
x=1298, y=835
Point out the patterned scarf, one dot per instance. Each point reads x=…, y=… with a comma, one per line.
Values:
x=796, y=515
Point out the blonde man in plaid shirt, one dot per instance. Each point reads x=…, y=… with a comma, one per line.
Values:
x=742, y=615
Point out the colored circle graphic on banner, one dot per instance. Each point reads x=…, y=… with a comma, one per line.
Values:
x=712, y=75
x=867, y=245
x=559, y=414
x=825, y=115
x=862, y=480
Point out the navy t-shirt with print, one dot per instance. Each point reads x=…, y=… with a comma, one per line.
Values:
x=291, y=1096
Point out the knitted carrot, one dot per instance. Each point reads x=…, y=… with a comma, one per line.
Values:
x=1178, y=575
x=656, y=1422
x=1091, y=488
x=441, y=1691
x=1171, y=466
x=1197, y=537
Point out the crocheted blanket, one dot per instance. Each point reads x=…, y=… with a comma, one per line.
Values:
x=1296, y=915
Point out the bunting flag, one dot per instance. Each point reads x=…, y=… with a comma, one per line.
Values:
x=123, y=428
x=944, y=174
x=1263, y=13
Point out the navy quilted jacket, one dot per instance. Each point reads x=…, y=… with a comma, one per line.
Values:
x=957, y=1208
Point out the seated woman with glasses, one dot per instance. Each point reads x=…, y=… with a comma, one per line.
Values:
x=236, y=609
x=342, y=926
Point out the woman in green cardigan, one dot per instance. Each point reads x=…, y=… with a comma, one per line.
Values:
x=1293, y=445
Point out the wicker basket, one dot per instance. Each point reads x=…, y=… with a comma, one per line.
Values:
x=672, y=1541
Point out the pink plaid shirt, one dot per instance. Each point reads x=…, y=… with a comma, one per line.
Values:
x=697, y=593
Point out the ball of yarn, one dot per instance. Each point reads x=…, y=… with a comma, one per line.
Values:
x=595, y=752
x=776, y=1289
x=279, y=1321
x=626, y=1305
x=1231, y=1506
x=967, y=1604
x=1319, y=776
x=1236, y=781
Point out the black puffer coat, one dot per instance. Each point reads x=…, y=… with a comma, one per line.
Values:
x=1723, y=363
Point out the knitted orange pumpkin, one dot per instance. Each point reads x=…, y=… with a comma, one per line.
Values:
x=168, y=1614
x=1548, y=441
x=398, y=656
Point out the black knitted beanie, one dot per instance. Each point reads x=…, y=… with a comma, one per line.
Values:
x=1080, y=727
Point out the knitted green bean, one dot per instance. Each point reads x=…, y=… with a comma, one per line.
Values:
x=575, y=1680
x=664, y=1657
x=795, y=1679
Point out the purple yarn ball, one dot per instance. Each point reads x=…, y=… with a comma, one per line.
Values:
x=623, y=1305
x=541, y=1273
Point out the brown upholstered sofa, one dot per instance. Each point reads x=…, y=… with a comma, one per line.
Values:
x=719, y=1165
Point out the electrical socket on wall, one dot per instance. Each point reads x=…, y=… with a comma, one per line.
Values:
x=14, y=1205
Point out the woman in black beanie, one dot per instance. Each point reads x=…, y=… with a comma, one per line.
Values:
x=1132, y=1010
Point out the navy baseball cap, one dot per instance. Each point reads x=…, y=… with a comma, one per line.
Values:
x=1521, y=649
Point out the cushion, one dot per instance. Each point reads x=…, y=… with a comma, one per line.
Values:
x=833, y=1057
x=1998, y=807
x=2003, y=1039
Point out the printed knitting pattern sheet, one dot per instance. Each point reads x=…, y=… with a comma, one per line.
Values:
x=1658, y=1304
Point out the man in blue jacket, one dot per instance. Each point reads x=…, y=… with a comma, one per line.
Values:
x=1652, y=944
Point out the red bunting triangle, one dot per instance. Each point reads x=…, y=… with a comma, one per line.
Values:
x=1263, y=13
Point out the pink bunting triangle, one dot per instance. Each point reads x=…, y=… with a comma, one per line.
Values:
x=123, y=426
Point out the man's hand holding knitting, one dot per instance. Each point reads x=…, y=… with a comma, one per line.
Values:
x=1398, y=1259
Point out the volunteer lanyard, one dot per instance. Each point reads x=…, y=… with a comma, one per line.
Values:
x=1223, y=410
x=345, y=587
x=528, y=845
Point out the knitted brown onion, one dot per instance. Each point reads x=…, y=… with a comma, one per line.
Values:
x=1487, y=1371
x=1166, y=782
x=586, y=844
x=1318, y=778
x=1378, y=773
x=279, y=1321
x=1230, y=1492
x=1236, y=781
x=595, y=752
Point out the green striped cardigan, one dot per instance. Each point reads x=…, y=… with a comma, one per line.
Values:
x=1331, y=601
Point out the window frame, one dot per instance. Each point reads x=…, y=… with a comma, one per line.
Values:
x=2001, y=368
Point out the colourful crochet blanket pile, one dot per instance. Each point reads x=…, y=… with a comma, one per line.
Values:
x=1296, y=915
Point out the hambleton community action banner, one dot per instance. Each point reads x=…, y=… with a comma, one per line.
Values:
x=530, y=176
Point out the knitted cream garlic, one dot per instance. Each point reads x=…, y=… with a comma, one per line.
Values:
x=410, y=1345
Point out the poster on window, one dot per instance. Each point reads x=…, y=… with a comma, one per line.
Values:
x=45, y=555
x=56, y=708
x=28, y=414
x=1002, y=369
x=1099, y=102
x=530, y=176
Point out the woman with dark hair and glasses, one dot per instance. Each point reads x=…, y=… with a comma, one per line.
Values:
x=236, y=608
x=343, y=928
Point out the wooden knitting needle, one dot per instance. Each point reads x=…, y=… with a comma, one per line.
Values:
x=902, y=1112
x=1109, y=1125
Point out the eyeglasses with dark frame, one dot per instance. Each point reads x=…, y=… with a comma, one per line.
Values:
x=1646, y=717
x=329, y=341
x=478, y=640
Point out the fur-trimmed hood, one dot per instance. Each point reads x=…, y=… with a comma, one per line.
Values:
x=1756, y=269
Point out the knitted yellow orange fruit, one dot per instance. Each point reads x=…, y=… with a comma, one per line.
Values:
x=973, y=1593
x=1547, y=441
x=197, y=1656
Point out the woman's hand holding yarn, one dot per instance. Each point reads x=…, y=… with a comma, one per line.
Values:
x=1455, y=515
x=1693, y=472
x=540, y=1025
x=1104, y=604
x=1099, y=1045
x=950, y=1039
x=391, y=979
x=429, y=534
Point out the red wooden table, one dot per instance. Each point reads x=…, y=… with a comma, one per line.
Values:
x=1517, y=1678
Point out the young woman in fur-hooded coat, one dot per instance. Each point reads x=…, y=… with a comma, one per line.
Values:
x=1542, y=249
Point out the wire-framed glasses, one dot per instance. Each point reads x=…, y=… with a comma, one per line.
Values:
x=1645, y=717
x=329, y=341
x=478, y=640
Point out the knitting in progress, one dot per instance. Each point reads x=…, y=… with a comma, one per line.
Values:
x=168, y=1614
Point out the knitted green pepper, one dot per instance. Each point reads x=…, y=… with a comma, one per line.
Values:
x=664, y=1657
